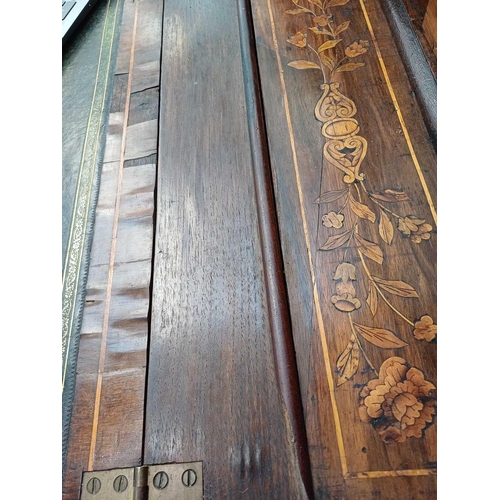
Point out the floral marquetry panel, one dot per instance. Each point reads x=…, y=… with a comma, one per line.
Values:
x=354, y=174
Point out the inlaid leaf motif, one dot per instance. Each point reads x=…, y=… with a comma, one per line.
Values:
x=322, y=21
x=330, y=196
x=317, y=31
x=334, y=242
x=318, y=3
x=372, y=299
x=327, y=61
x=328, y=45
x=390, y=195
x=385, y=228
x=294, y=12
x=348, y=361
x=349, y=67
x=335, y=3
x=369, y=249
x=341, y=27
x=302, y=64
x=396, y=287
x=379, y=337
x=361, y=210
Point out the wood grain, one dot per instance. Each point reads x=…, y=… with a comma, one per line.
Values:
x=417, y=11
x=275, y=283
x=107, y=430
x=80, y=432
x=399, y=155
x=413, y=55
x=357, y=239
x=212, y=391
x=429, y=25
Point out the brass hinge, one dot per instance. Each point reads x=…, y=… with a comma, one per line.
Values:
x=182, y=481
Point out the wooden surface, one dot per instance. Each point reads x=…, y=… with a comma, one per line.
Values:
x=356, y=233
x=416, y=62
x=212, y=391
x=108, y=417
x=420, y=10
x=274, y=277
x=349, y=456
x=429, y=25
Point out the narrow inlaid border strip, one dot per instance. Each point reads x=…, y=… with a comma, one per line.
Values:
x=336, y=416
x=415, y=61
x=76, y=240
x=391, y=473
x=109, y=287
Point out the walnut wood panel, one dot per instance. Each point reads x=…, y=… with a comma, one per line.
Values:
x=107, y=427
x=80, y=432
x=212, y=390
x=119, y=441
x=355, y=184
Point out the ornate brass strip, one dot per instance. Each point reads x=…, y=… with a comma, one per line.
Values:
x=74, y=254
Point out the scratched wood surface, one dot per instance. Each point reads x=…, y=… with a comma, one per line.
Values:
x=108, y=418
x=355, y=185
x=423, y=15
x=212, y=391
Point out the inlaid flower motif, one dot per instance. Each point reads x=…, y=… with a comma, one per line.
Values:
x=345, y=294
x=299, y=39
x=415, y=228
x=322, y=20
x=357, y=48
x=400, y=403
x=333, y=219
x=425, y=329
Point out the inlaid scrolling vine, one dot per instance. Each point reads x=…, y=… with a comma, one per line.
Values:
x=399, y=403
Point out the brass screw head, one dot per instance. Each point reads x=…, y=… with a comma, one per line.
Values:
x=93, y=486
x=120, y=484
x=160, y=480
x=189, y=478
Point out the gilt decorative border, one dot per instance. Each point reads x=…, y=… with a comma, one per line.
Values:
x=76, y=241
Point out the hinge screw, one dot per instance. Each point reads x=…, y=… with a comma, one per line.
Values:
x=120, y=484
x=189, y=478
x=160, y=480
x=93, y=486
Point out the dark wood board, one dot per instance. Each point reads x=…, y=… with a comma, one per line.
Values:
x=107, y=427
x=355, y=454
x=207, y=367
x=212, y=391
